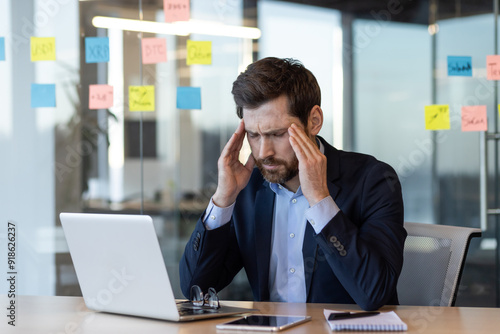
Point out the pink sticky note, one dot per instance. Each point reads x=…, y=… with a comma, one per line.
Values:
x=474, y=118
x=100, y=96
x=176, y=10
x=493, y=67
x=154, y=50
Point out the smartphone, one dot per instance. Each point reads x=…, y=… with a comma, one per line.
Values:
x=268, y=323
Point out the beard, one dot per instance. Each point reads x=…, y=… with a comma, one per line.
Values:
x=287, y=171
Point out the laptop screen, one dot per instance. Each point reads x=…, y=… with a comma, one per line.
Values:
x=119, y=264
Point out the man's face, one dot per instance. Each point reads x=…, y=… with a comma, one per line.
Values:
x=267, y=133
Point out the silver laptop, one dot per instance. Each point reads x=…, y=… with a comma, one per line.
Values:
x=120, y=268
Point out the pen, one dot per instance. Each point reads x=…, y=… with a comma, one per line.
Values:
x=349, y=315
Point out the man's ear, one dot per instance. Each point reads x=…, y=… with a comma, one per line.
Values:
x=315, y=121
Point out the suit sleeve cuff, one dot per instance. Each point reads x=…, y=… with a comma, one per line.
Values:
x=321, y=213
x=216, y=217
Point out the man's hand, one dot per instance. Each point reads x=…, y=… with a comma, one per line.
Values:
x=312, y=165
x=233, y=175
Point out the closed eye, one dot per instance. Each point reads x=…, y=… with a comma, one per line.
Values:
x=252, y=135
x=281, y=134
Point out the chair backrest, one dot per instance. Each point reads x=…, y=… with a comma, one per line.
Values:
x=434, y=256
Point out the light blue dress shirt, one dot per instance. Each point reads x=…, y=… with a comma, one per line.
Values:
x=291, y=214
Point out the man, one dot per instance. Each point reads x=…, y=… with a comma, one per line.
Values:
x=311, y=223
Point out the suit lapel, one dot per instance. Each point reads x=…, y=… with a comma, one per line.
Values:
x=264, y=204
x=332, y=168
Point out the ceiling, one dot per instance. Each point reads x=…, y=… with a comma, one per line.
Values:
x=411, y=11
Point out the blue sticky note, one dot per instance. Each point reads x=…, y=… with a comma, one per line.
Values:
x=96, y=49
x=2, y=48
x=189, y=97
x=461, y=66
x=43, y=95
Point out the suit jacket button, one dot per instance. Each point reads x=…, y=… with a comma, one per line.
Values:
x=195, y=247
x=340, y=248
x=333, y=239
x=337, y=244
x=343, y=252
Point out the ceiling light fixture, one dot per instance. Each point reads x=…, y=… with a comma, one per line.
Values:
x=181, y=28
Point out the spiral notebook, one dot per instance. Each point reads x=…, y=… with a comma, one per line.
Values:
x=385, y=321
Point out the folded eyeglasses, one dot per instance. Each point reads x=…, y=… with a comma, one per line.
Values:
x=199, y=299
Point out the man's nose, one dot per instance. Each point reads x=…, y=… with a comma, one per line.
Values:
x=266, y=148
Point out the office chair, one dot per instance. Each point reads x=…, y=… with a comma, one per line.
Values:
x=434, y=257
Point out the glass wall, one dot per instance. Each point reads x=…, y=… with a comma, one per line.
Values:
x=397, y=73
x=75, y=157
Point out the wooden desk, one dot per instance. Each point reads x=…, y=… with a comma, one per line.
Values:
x=57, y=315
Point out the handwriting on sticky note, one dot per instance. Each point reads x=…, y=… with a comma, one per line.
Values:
x=437, y=117
x=100, y=96
x=474, y=118
x=96, y=49
x=461, y=66
x=141, y=98
x=188, y=97
x=154, y=50
x=43, y=48
x=493, y=67
x=199, y=52
x=43, y=95
x=2, y=48
x=176, y=10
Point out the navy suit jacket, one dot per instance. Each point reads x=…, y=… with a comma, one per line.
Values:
x=357, y=257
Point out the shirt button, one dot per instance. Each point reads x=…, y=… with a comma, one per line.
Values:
x=280, y=187
x=294, y=200
x=292, y=270
x=292, y=235
x=212, y=217
x=312, y=222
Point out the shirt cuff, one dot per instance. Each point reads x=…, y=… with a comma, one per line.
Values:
x=321, y=213
x=216, y=216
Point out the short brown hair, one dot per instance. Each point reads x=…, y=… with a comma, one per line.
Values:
x=271, y=77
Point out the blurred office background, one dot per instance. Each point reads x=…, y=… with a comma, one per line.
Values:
x=378, y=62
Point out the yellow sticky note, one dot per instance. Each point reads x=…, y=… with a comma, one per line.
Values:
x=199, y=52
x=43, y=48
x=141, y=98
x=437, y=117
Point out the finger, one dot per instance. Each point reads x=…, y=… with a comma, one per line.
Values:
x=240, y=131
x=297, y=148
x=307, y=146
x=305, y=139
x=236, y=141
